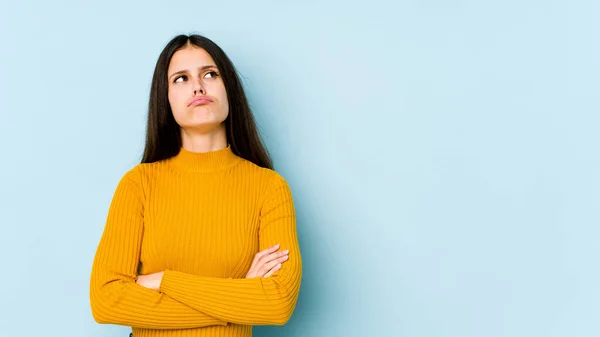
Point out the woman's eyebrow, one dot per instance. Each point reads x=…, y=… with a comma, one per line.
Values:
x=185, y=70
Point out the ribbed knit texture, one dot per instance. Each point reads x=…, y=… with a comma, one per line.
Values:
x=201, y=218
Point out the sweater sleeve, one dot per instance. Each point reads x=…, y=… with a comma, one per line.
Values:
x=251, y=301
x=115, y=297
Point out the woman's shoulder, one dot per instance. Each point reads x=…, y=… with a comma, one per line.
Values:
x=137, y=175
x=259, y=172
x=269, y=180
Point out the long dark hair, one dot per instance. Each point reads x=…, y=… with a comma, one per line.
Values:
x=163, y=135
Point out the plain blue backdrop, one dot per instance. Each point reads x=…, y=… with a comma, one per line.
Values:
x=443, y=155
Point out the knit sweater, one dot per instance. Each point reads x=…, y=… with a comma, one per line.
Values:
x=201, y=218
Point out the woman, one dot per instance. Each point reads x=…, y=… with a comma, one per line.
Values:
x=200, y=238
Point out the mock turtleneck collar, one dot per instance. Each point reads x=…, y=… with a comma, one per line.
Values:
x=204, y=162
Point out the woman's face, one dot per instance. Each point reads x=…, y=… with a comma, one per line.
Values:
x=196, y=90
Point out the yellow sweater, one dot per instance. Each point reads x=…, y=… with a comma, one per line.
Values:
x=201, y=218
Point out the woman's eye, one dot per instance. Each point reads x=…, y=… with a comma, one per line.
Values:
x=213, y=74
x=178, y=79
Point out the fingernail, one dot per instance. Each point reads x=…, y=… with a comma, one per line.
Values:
x=286, y=251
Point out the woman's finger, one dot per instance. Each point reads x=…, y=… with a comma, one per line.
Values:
x=274, y=269
x=258, y=260
x=264, y=252
x=270, y=265
x=272, y=256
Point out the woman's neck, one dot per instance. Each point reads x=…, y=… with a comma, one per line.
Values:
x=195, y=141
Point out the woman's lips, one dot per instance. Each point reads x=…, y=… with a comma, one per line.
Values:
x=199, y=101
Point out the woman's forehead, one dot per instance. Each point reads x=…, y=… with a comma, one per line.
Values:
x=190, y=58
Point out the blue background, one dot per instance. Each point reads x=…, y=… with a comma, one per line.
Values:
x=443, y=155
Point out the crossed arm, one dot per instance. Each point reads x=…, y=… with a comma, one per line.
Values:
x=176, y=300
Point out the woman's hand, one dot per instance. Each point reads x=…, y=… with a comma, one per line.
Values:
x=150, y=281
x=267, y=262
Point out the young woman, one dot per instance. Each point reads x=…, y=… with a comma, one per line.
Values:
x=200, y=238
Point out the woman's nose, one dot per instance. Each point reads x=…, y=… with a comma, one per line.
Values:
x=199, y=87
